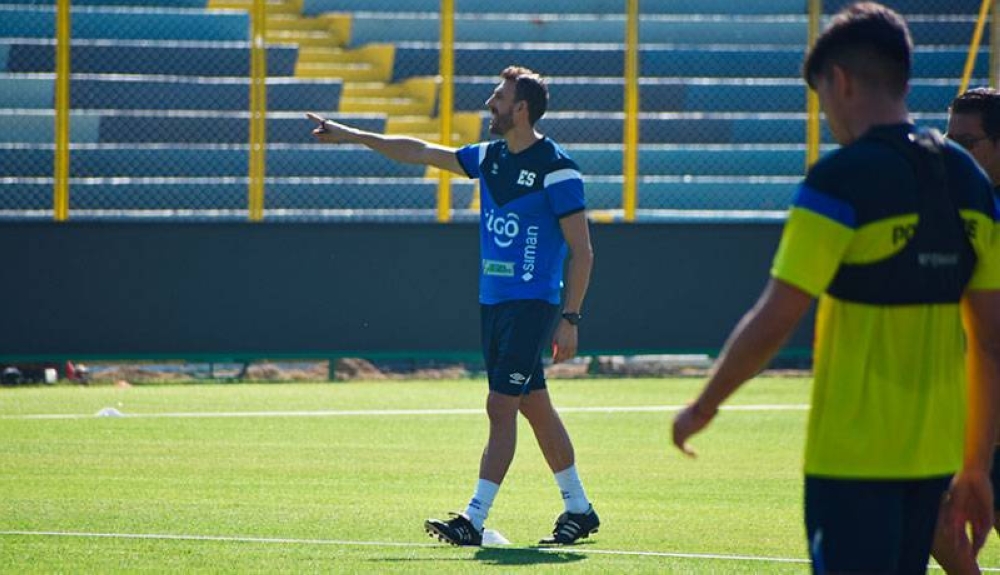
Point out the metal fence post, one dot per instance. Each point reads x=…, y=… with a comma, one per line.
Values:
x=446, y=102
x=258, y=111
x=61, y=153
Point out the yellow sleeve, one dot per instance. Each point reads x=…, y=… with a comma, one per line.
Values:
x=811, y=249
x=986, y=242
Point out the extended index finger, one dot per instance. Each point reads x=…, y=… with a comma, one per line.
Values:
x=315, y=118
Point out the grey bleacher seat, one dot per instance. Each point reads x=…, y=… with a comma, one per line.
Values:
x=128, y=3
x=669, y=128
x=200, y=160
x=606, y=60
x=228, y=128
x=908, y=6
x=38, y=126
x=159, y=99
x=170, y=58
x=579, y=127
x=167, y=126
x=176, y=93
x=708, y=160
x=288, y=160
x=603, y=7
x=126, y=23
x=230, y=194
x=702, y=193
x=368, y=27
x=613, y=7
x=26, y=91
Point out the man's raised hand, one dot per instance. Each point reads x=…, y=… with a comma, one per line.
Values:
x=328, y=130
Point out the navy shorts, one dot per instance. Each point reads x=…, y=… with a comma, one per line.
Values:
x=995, y=477
x=872, y=526
x=515, y=334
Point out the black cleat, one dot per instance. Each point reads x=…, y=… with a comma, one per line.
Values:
x=571, y=527
x=457, y=531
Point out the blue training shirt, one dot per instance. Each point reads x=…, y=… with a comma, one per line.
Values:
x=522, y=198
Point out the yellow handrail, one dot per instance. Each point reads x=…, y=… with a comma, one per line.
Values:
x=630, y=156
x=977, y=38
x=446, y=102
x=60, y=193
x=994, y=44
x=813, y=129
x=258, y=111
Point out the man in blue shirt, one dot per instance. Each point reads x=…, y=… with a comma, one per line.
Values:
x=532, y=216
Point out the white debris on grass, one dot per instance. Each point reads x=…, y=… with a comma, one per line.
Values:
x=493, y=537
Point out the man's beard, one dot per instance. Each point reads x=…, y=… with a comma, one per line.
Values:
x=500, y=124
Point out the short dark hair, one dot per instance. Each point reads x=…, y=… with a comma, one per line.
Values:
x=529, y=87
x=870, y=42
x=982, y=101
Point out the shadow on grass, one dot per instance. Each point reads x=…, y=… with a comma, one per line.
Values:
x=525, y=556
x=501, y=556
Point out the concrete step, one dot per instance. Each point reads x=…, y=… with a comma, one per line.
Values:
x=273, y=7
x=318, y=38
x=372, y=63
x=465, y=128
x=413, y=97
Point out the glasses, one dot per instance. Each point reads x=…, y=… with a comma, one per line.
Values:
x=967, y=142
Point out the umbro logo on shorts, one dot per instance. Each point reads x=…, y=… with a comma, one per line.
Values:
x=517, y=379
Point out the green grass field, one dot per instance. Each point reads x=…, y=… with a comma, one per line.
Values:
x=338, y=478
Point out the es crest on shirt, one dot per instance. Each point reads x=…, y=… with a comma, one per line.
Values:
x=526, y=178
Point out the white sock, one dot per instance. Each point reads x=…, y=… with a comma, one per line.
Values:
x=572, y=490
x=482, y=500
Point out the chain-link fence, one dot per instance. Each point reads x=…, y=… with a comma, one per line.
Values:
x=160, y=119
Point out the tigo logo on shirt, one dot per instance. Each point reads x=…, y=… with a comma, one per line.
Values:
x=504, y=228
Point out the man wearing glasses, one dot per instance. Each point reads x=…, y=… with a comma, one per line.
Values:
x=974, y=124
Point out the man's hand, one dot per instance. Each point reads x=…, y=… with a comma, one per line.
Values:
x=565, y=342
x=969, y=506
x=329, y=131
x=687, y=422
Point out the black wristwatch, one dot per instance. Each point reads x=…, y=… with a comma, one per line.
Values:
x=572, y=317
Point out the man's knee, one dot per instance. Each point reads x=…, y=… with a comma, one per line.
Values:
x=536, y=407
x=502, y=408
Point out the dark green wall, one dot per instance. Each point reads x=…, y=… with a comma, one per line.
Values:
x=88, y=290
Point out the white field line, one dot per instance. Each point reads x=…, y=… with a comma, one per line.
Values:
x=344, y=543
x=386, y=412
x=288, y=541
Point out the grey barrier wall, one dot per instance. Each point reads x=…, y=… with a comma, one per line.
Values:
x=239, y=291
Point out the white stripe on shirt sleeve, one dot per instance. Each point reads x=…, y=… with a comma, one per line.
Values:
x=561, y=176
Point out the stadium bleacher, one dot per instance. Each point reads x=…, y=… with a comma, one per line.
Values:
x=157, y=93
x=159, y=97
x=126, y=23
x=148, y=57
x=613, y=7
x=786, y=30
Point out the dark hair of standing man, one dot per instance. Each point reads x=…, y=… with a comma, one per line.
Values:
x=529, y=87
x=982, y=101
x=870, y=42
